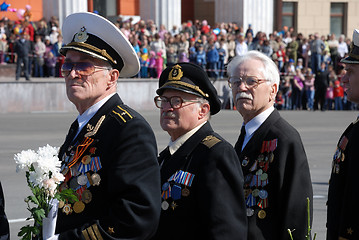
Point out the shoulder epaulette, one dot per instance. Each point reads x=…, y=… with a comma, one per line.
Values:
x=210, y=141
x=121, y=114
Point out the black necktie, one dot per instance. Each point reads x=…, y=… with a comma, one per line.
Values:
x=241, y=138
x=164, y=155
x=72, y=132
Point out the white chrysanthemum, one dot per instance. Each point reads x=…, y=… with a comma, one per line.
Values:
x=58, y=177
x=37, y=178
x=48, y=164
x=47, y=151
x=24, y=159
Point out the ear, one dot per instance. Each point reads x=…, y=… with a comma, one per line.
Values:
x=273, y=92
x=204, y=110
x=113, y=76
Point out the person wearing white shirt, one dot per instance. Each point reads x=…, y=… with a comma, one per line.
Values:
x=276, y=173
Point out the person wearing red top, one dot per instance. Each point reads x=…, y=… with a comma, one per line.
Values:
x=338, y=95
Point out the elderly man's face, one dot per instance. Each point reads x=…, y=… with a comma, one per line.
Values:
x=182, y=120
x=351, y=82
x=251, y=101
x=84, y=91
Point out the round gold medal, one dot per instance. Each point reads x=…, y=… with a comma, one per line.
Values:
x=262, y=214
x=86, y=159
x=79, y=206
x=61, y=204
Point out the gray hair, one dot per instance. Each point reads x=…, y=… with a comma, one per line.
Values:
x=270, y=70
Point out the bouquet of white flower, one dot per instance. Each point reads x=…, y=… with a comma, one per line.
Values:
x=43, y=178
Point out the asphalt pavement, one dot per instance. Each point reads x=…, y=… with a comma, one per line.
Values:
x=21, y=131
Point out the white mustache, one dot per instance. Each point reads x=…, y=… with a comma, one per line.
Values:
x=168, y=114
x=243, y=95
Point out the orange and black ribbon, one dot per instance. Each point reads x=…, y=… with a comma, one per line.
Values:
x=80, y=149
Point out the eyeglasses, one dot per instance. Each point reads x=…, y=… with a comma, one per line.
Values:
x=82, y=68
x=175, y=101
x=249, y=81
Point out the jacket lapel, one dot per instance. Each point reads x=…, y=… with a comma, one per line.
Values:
x=180, y=158
x=255, y=143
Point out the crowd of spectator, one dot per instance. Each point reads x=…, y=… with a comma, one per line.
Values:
x=310, y=65
x=42, y=41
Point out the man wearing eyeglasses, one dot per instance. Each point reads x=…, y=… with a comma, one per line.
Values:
x=202, y=195
x=109, y=158
x=276, y=174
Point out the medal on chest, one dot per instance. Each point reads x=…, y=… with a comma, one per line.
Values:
x=256, y=180
x=175, y=188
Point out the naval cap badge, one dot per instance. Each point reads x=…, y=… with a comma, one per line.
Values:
x=81, y=36
x=176, y=73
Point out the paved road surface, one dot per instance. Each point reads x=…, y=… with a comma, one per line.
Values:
x=319, y=130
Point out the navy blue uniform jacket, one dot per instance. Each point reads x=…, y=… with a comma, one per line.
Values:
x=215, y=208
x=287, y=184
x=126, y=203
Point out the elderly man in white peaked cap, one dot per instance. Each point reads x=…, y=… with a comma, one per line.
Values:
x=109, y=157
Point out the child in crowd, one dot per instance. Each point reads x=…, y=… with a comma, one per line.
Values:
x=299, y=64
x=50, y=62
x=3, y=48
x=192, y=55
x=144, y=61
x=338, y=96
x=183, y=57
x=152, y=65
x=279, y=100
x=329, y=96
x=172, y=57
x=201, y=57
x=159, y=64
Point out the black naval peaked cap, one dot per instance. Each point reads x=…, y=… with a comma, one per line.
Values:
x=93, y=34
x=190, y=78
x=353, y=57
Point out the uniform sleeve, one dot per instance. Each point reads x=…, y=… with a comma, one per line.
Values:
x=221, y=194
x=294, y=187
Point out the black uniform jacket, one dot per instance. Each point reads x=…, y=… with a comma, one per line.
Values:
x=277, y=181
x=126, y=202
x=342, y=215
x=214, y=208
x=4, y=224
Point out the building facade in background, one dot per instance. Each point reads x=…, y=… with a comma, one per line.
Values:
x=305, y=16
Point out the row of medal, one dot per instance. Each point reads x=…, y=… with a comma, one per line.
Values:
x=172, y=188
x=257, y=178
x=81, y=176
x=339, y=155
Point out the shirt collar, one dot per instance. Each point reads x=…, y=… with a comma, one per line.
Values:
x=174, y=146
x=257, y=121
x=90, y=112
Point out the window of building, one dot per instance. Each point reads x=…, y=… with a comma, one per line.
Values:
x=338, y=16
x=105, y=8
x=289, y=14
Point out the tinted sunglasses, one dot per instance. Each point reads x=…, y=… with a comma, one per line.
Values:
x=81, y=68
